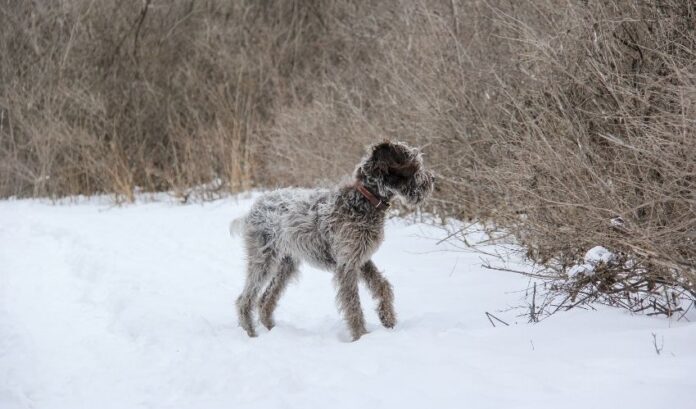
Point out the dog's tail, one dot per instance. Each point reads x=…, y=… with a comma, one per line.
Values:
x=237, y=226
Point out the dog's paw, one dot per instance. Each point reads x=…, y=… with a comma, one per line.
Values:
x=268, y=322
x=387, y=317
x=357, y=336
x=357, y=331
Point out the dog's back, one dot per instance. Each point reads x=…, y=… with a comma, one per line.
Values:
x=284, y=219
x=284, y=208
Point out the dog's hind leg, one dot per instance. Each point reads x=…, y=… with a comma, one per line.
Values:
x=259, y=267
x=381, y=291
x=269, y=300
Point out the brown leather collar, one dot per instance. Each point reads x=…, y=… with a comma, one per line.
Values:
x=378, y=203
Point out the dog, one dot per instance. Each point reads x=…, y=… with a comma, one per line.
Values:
x=332, y=229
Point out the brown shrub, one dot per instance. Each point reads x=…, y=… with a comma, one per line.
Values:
x=567, y=124
x=601, y=146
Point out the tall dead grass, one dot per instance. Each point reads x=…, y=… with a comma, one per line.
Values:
x=566, y=123
x=102, y=96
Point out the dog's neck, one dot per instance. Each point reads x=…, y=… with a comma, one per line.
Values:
x=377, y=201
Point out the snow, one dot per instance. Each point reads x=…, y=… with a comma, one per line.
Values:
x=133, y=307
x=598, y=254
x=594, y=256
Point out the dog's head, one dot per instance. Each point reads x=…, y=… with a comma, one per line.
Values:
x=395, y=168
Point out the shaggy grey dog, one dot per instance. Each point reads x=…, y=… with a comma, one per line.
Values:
x=337, y=230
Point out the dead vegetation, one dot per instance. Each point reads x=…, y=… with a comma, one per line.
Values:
x=568, y=124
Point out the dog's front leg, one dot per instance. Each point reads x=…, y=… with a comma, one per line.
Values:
x=349, y=300
x=381, y=291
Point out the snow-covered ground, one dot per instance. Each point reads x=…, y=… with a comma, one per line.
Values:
x=133, y=307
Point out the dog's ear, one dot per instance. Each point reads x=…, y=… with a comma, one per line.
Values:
x=392, y=161
x=383, y=156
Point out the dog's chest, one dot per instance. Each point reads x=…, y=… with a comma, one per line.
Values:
x=372, y=237
x=360, y=240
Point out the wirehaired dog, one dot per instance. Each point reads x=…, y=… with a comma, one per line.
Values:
x=333, y=229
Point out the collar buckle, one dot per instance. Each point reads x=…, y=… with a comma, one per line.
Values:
x=378, y=203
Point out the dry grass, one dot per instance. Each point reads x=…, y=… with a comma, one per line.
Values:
x=103, y=96
x=545, y=119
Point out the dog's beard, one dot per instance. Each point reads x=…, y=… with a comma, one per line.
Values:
x=418, y=189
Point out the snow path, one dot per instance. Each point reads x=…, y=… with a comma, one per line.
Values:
x=133, y=307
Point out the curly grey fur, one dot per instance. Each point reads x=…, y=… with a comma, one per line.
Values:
x=337, y=230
